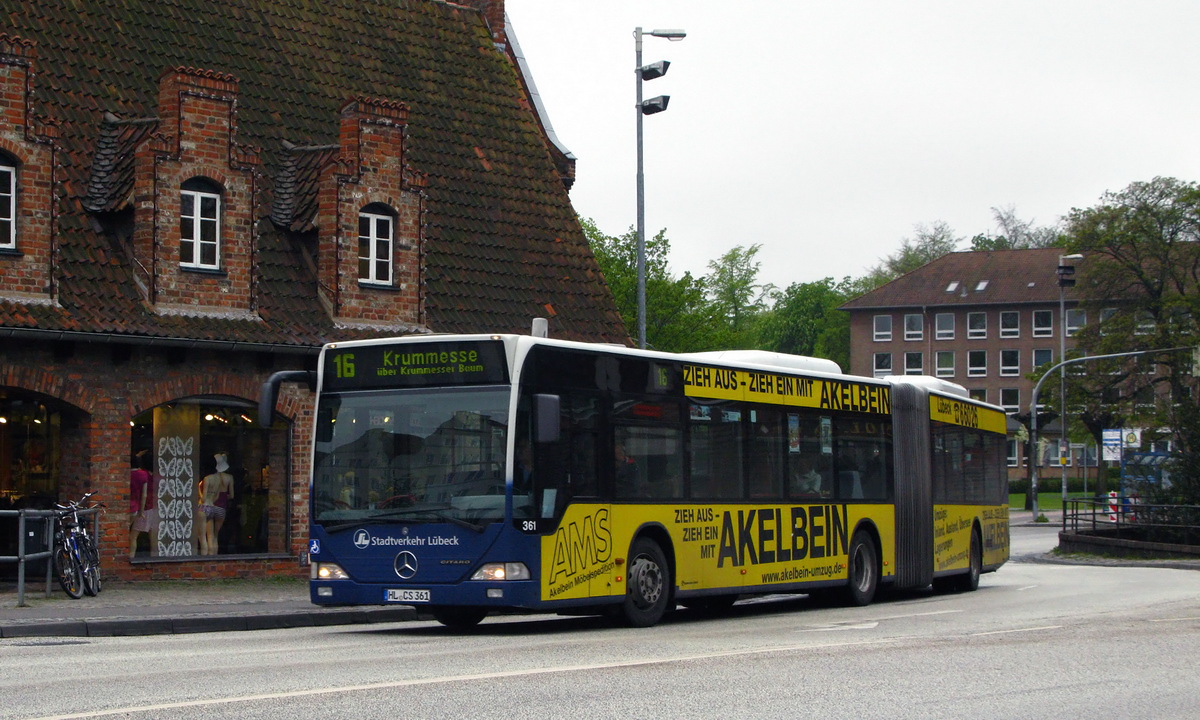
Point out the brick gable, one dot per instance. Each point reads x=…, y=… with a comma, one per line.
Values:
x=370, y=169
x=196, y=134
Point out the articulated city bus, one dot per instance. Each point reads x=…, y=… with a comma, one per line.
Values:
x=465, y=474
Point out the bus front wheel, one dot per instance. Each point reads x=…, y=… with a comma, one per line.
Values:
x=863, y=570
x=647, y=584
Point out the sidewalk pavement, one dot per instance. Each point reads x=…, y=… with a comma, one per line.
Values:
x=164, y=608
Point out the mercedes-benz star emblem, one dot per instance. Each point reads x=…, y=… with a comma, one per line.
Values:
x=406, y=565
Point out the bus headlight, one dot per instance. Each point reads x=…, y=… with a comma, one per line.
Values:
x=327, y=571
x=502, y=571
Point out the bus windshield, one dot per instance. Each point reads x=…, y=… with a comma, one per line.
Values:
x=426, y=455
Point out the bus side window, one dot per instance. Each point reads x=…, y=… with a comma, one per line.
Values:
x=715, y=451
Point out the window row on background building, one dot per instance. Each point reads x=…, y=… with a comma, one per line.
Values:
x=1041, y=324
x=945, y=363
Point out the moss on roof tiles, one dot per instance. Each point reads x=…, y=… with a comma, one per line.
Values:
x=297, y=62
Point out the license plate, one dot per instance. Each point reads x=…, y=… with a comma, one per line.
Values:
x=407, y=596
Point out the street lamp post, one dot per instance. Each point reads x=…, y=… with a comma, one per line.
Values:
x=648, y=107
x=1066, y=279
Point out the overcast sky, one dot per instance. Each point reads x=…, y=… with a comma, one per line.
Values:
x=825, y=131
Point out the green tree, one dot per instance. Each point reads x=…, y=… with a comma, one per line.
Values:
x=1139, y=280
x=1016, y=234
x=678, y=317
x=737, y=298
x=805, y=320
x=930, y=243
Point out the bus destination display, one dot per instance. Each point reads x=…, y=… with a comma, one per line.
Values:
x=359, y=367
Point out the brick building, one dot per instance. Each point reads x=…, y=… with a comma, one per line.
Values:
x=983, y=320
x=194, y=195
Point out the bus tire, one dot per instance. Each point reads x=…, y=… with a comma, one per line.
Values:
x=647, y=584
x=969, y=582
x=459, y=618
x=863, y=570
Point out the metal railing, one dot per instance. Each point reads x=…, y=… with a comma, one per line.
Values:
x=1127, y=516
x=23, y=533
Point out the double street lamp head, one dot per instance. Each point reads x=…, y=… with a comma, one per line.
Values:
x=1066, y=270
x=646, y=107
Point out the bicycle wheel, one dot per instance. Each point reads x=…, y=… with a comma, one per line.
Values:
x=91, y=565
x=67, y=570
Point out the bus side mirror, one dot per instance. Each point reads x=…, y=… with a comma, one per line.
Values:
x=546, y=418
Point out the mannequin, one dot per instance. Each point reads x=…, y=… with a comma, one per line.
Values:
x=143, y=513
x=216, y=492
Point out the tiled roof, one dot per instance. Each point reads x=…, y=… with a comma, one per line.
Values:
x=502, y=242
x=973, y=278
x=111, y=177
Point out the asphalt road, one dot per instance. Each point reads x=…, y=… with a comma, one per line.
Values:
x=1036, y=641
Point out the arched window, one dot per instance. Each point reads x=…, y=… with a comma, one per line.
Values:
x=8, y=204
x=200, y=224
x=376, y=234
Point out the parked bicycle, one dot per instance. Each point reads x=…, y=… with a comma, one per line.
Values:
x=76, y=559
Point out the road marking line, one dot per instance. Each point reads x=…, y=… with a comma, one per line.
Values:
x=159, y=707
x=1181, y=619
x=1027, y=587
x=1020, y=630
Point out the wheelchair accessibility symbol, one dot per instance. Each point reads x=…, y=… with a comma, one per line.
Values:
x=314, y=547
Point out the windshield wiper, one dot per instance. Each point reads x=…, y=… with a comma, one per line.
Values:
x=380, y=518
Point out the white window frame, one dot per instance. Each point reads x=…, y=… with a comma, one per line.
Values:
x=1014, y=452
x=979, y=394
x=1015, y=330
x=947, y=332
x=379, y=246
x=1011, y=408
x=976, y=370
x=1009, y=370
x=940, y=368
x=919, y=333
x=196, y=223
x=879, y=334
x=8, y=190
x=1144, y=323
x=914, y=369
x=1043, y=329
x=1034, y=356
x=875, y=364
x=974, y=333
x=1076, y=319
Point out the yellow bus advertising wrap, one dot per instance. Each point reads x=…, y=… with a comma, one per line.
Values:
x=778, y=389
x=952, y=535
x=957, y=412
x=714, y=546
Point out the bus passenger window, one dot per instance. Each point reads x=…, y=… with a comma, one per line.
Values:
x=810, y=459
x=716, y=452
x=766, y=453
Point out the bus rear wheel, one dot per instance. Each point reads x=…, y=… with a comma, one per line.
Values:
x=970, y=581
x=647, y=584
x=459, y=618
x=863, y=570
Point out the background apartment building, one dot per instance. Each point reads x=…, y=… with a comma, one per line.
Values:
x=983, y=320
